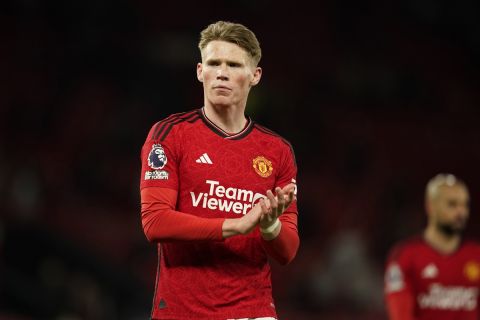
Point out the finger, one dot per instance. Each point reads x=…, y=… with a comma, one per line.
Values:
x=264, y=207
x=266, y=218
x=262, y=213
x=280, y=200
x=280, y=193
x=289, y=187
x=290, y=197
x=273, y=201
x=266, y=201
x=273, y=205
x=262, y=216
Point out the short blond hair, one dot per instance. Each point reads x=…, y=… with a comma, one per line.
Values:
x=442, y=179
x=234, y=33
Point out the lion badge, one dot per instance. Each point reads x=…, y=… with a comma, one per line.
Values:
x=157, y=159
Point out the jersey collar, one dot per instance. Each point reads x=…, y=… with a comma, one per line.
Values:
x=222, y=133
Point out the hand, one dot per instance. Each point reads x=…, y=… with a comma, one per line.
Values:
x=243, y=225
x=274, y=206
x=264, y=213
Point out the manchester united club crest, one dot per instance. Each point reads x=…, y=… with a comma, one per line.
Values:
x=472, y=271
x=157, y=159
x=262, y=166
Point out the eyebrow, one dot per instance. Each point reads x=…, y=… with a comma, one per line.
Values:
x=227, y=61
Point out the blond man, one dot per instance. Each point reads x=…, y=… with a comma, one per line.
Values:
x=218, y=192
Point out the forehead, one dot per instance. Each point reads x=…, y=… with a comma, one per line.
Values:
x=456, y=191
x=224, y=50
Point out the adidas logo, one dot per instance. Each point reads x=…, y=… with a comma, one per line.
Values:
x=430, y=271
x=204, y=158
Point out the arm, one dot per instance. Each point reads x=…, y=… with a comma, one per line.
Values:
x=278, y=225
x=400, y=299
x=159, y=188
x=162, y=223
x=284, y=246
x=279, y=228
x=400, y=306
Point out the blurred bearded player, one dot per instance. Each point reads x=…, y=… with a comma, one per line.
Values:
x=218, y=193
x=436, y=276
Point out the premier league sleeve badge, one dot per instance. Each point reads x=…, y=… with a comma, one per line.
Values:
x=157, y=159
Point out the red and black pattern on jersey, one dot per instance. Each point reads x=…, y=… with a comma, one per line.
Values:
x=222, y=133
x=442, y=286
x=273, y=133
x=215, y=176
x=162, y=128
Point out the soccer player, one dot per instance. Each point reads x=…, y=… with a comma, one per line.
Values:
x=218, y=192
x=436, y=276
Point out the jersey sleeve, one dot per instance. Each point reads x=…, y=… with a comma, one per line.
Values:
x=288, y=173
x=399, y=296
x=160, y=158
x=285, y=246
x=159, y=182
x=162, y=223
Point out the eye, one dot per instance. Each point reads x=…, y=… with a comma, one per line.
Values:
x=213, y=63
x=234, y=64
x=452, y=203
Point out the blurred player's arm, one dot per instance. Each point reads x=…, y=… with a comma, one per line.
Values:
x=399, y=296
x=400, y=306
x=161, y=222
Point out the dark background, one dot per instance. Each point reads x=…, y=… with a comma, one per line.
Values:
x=375, y=96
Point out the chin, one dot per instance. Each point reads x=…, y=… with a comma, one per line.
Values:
x=221, y=101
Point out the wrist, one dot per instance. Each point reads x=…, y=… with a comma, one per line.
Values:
x=272, y=231
x=230, y=228
x=270, y=228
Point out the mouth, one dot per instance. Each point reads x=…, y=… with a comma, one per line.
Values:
x=222, y=88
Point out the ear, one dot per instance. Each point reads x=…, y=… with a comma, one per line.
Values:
x=257, y=74
x=428, y=206
x=200, y=72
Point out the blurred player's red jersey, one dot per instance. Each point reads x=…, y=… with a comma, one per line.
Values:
x=216, y=175
x=441, y=287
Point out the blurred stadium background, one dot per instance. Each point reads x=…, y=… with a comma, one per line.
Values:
x=376, y=96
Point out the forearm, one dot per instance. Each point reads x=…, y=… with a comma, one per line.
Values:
x=164, y=224
x=400, y=306
x=230, y=228
x=284, y=246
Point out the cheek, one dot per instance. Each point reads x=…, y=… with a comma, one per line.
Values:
x=441, y=215
x=207, y=76
x=243, y=80
x=448, y=215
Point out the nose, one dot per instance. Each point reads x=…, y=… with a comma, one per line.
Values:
x=462, y=212
x=222, y=73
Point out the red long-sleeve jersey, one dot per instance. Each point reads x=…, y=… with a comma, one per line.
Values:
x=423, y=284
x=194, y=175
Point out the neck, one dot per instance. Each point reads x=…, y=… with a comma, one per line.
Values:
x=440, y=241
x=228, y=118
